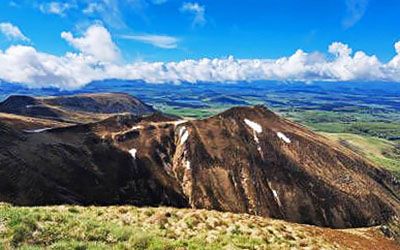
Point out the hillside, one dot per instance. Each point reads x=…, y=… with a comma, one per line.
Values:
x=80, y=108
x=244, y=160
x=380, y=151
x=127, y=227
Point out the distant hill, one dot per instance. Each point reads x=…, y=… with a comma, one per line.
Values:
x=75, y=108
x=227, y=100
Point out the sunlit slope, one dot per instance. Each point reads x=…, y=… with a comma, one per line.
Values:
x=382, y=152
x=127, y=227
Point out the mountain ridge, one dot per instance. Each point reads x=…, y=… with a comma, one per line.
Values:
x=244, y=160
x=79, y=108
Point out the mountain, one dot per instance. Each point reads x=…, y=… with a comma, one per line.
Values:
x=75, y=108
x=244, y=160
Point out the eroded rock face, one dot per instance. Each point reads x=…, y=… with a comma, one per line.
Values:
x=245, y=160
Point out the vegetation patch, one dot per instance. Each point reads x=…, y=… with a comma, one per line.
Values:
x=382, y=152
x=126, y=227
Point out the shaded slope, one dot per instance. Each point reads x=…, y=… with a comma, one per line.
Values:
x=73, y=165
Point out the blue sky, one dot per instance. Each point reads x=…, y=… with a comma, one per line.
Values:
x=70, y=43
x=244, y=29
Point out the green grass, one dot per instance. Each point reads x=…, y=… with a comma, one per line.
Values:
x=126, y=227
x=198, y=113
x=384, y=126
x=382, y=152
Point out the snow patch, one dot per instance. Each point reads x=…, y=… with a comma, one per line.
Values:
x=133, y=152
x=188, y=165
x=283, y=137
x=253, y=125
x=184, y=135
x=256, y=130
x=136, y=127
x=276, y=197
x=37, y=130
x=181, y=131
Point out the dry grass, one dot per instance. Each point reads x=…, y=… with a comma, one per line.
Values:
x=26, y=122
x=127, y=227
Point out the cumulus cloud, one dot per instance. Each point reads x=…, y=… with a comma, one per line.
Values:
x=97, y=58
x=96, y=42
x=24, y=64
x=56, y=8
x=395, y=62
x=161, y=41
x=12, y=32
x=197, y=10
x=355, y=11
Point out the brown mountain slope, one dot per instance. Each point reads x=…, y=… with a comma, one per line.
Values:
x=243, y=160
x=282, y=170
x=30, y=123
x=75, y=108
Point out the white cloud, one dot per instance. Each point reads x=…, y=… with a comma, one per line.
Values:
x=161, y=41
x=96, y=42
x=24, y=64
x=355, y=11
x=92, y=8
x=395, y=62
x=12, y=32
x=198, y=11
x=56, y=8
x=97, y=59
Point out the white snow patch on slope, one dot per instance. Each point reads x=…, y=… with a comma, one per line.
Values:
x=37, y=130
x=255, y=126
x=188, y=165
x=283, y=137
x=276, y=197
x=136, y=127
x=133, y=152
x=183, y=134
x=181, y=131
x=256, y=130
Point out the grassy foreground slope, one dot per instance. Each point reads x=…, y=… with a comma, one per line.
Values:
x=127, y=227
